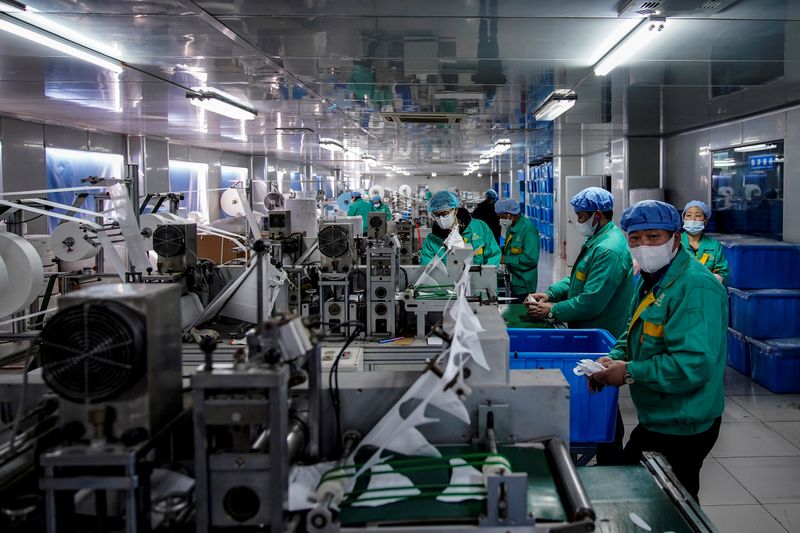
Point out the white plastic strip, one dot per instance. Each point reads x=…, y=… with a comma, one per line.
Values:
x=62, y=206
x=23, y=207
x=112, y=255
x=47, y=191
x=251, y=218
x=26, y=317
x=122, y=211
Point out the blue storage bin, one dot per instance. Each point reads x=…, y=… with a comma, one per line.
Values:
x=775, y=364
x=748, y=260
x=738, y=352
x=550, y=245
x=595, y=341
x=765, y=314
x=592, y=417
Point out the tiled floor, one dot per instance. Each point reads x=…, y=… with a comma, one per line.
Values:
x=751, y=480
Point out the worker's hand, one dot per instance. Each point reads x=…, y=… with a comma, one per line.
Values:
x=718, y=277
x=539, y=297
x=539, y=309
x=605, y=361
x=614, y=374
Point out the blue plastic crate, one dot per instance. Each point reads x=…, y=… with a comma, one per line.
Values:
x=765, y=314
x=560, y=340
x=775, y=364
x=747, y=259
x=738, y=352
x=592, y=417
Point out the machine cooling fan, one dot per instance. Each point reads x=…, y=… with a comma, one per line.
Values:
x=376, y=222
x=94, y=352
x=334, y=241
x=169, y=241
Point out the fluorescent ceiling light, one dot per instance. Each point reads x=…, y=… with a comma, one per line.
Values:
x=502, y=146
x=642, y=35
x=721, y=163
x=332, y=145
x=755, y=147
x=557, y=103
x=433, y=174
x=483, y=160
x=221, y=103
x=43, y=37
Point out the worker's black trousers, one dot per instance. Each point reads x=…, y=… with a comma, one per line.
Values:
x=684, y=453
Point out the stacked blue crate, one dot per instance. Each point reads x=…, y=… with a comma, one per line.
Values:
x=540, y=203
x=764, y=306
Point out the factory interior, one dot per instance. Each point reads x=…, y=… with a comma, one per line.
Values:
x=419, y=266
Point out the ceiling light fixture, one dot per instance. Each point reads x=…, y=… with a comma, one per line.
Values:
x=555, y=105
x=221, y=103
x=332, y=145
x=483, y=160
x=433, y=174
x=755, y=147
x=502, y=146
x=43, y=37
x=643, y=34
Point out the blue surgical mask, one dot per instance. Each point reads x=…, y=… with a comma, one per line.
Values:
x=693, y=227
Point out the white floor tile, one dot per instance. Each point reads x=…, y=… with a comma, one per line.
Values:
x=719, y=487
x=751, y=439
x=736, y=413
x=743, y=519
x=788, y=430
x=787, y=514
x=738, y=384
x=775, y=408
x=768, y=479
x=628, y=411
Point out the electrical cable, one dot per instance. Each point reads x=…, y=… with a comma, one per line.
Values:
x=333, y=383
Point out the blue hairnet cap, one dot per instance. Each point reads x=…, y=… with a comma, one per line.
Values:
x=377, y=198
x=491, y=194
x=355, y=194
x=650, y=214
x=702, y=205
x=593, y=199
x=506, y=206
x=442, y=201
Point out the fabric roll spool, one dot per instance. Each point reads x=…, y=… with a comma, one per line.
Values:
x=69, y=242
x=304, y=216
x=45, y=250
x=231, y=204
x=148, y=224
x=21, y=273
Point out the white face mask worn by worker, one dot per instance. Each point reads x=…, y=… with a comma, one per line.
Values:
x=654, y=258
x=587, y=228
x=506, y=223
x=376, y=205
x=693, y=227
x=446, y=221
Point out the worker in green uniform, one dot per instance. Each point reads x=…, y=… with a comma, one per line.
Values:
x=359, y=208
x=707, y=250
x=447, y=216
x=598, y=292
x=673, y=352
x=380, y=207
x=521, y=249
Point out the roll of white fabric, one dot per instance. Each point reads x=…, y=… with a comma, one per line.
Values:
x=69, y=242
x=22, y=273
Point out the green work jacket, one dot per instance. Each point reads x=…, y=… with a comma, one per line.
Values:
x=521, y=256
x=477, y=233
x=360, y=208
x=710, y=254
x=598, y=293
x=676, y=346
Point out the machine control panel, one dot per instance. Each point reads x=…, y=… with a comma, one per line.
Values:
x=352, y=359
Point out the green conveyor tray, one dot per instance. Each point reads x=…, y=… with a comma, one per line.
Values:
x=516, y=316
x=543, y=499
